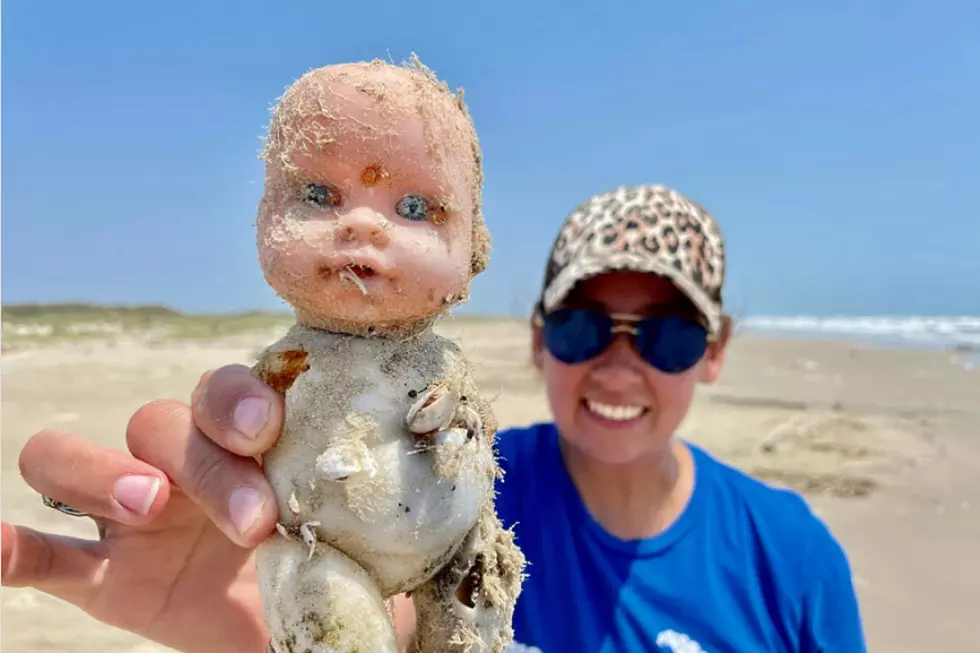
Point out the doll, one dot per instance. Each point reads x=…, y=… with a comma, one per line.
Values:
x=370, y=227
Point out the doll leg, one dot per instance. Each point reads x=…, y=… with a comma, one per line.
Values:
x=325, y=605
x=469, y=605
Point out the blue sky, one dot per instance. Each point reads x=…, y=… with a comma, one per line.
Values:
x=837, y=142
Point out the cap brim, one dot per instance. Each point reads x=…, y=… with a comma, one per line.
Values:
x=562, y=284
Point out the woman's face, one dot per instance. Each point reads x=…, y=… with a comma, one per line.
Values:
x=616, y=408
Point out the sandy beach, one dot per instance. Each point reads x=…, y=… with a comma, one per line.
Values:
x=885, y=443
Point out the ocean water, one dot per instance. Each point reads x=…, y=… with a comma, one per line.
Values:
x=959, y=334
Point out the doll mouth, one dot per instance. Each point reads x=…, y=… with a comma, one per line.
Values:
x=355, y=274
x=361, y=271
x=357, y=270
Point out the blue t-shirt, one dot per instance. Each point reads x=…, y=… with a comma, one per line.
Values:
x=746, y=568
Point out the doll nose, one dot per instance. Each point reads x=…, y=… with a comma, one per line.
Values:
x=363, y=225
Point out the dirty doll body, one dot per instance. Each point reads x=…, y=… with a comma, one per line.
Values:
x=370, y=227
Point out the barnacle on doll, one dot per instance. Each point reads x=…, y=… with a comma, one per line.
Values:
x=370, y=226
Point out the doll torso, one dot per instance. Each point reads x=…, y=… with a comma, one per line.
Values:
x=397, y=502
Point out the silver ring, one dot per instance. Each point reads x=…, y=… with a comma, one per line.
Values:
x=62, y=507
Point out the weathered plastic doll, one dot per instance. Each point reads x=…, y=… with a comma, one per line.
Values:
x=370, y=226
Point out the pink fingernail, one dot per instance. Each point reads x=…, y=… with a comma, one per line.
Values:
x=251, y=415
x=245, y=508
x=137, y=493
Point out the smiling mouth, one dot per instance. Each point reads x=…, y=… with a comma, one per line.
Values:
x=615, y=413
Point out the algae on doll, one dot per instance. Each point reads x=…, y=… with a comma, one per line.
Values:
x=370, y=226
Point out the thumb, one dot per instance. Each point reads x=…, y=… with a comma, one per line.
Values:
x=64, y=567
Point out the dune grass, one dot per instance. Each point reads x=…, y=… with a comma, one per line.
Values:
x=38, y=325
x=32, y=325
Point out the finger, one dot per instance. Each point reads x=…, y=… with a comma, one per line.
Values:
x=204, y=378
x=230, y=489
x=98, y=480
x=236, y=410
x=65, y=567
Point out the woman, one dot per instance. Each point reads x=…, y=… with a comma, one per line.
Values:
x=637, y=540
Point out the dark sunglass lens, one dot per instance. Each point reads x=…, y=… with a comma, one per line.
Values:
x=576, y=335
x=672, y=344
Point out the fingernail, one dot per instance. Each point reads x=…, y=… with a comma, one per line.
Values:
x=245, y=506
x=251, y=415
x=136, y=493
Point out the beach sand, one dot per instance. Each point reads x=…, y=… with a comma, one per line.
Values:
x=885, y=443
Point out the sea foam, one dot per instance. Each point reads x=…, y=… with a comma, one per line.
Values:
x=947, y=332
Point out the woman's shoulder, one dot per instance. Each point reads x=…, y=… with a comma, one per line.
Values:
x=792, y=545
x=748, y=495
x=780, y=519
x=524, y=457
x=517, y=444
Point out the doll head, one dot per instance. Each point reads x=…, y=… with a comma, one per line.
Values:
x=370, y=221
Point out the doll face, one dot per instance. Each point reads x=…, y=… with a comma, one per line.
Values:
x=368, y=212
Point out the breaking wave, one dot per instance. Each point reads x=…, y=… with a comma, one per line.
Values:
x=961, y=332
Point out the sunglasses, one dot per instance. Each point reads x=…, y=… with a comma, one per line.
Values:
x=670, y=344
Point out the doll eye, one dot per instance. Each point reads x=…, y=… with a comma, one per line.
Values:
x=413, y=207
x=320, y=196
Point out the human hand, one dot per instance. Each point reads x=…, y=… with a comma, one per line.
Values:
x=170, y=565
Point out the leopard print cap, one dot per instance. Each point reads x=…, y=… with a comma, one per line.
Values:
x=649, y=228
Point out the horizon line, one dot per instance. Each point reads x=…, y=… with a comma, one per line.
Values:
x=164, y=309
